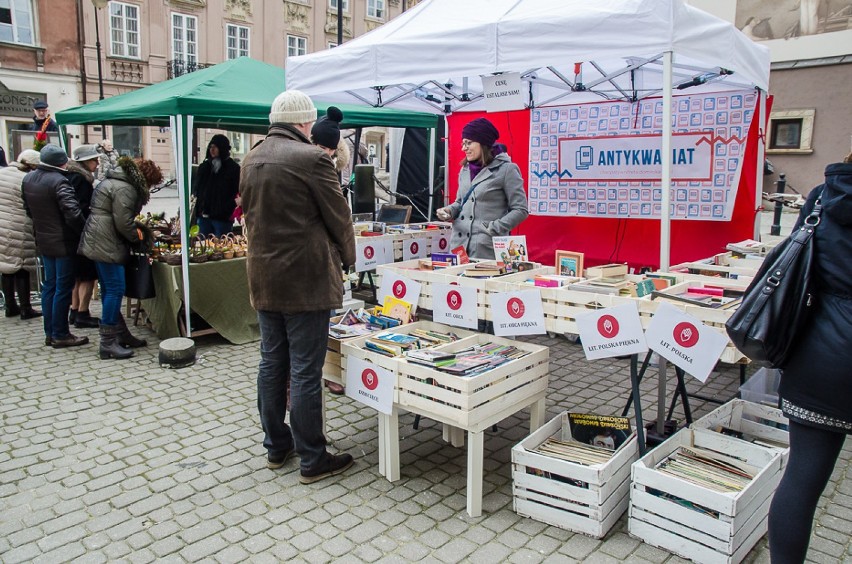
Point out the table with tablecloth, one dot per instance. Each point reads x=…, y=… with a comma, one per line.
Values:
x=218, y=292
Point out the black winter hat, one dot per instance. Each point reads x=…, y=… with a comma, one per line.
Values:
x=326, y=131
x=224, y=145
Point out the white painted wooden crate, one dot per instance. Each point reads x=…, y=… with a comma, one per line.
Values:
x=753, y=420
x=469, y=402
x=591, y=510
x=409, y=269
x=738, y=520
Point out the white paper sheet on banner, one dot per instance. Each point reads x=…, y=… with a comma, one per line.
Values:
x=401, y=288
x=614, y=331
x=415, y=248
x=454, y=305
x=686, y=342
x=371, y=253
x=370, y=384
x=517, y=313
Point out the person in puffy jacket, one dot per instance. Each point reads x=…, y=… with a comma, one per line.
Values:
x=109, y=234
x=57, y=221
x=216, y=186
x=17, y=246
x=816, y=384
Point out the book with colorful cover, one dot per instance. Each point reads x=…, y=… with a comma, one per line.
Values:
x=510, y=249
x=609, y=432
x=397, y=309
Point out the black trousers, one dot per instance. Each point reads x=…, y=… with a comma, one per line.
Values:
x=19, y=283
x=813, y=454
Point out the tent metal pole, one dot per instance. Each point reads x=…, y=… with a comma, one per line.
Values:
x=666, y=179
x=181, y=129
x=432, y=133
x=761, y=155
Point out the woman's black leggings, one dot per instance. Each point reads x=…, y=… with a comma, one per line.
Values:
x=813, y=453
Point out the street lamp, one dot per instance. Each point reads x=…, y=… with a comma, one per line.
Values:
x=98, y=4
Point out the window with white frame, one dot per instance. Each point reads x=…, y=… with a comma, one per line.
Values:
x=185, y=39
x=296, y=45
x=123, y=30
x=791, y=132
x=236, y=41
x=333, y=5
x=16, y=21
x=332, y=44
x=376, y=9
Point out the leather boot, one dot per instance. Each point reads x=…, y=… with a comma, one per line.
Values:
x=72, y=316
x=126, y=338
x=109, y=347
x=12, y=308
x=84, y=320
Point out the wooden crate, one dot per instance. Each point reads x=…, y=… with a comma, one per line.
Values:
x=426, y=278
x=483, y=305
x=474, y=402
x=404, y=233
x=732, y=523
x=591, y=510
x=562, y=307
x=754, y=421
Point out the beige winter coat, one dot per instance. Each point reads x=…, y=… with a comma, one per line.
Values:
x=17, y=245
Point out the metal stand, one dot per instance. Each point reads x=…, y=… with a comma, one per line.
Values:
x=779, y=206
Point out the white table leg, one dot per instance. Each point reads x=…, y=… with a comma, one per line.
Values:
x=457, y=437
x=389, y=445
x=383, y=449
x=475, y=454
x=445, y=432
x=537, y=412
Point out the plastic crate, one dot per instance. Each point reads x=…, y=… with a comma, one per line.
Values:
x=762, y=387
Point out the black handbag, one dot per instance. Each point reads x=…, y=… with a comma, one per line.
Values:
x=139, y=277
x=776, y=304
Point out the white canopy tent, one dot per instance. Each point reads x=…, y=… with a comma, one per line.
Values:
x=433, y=57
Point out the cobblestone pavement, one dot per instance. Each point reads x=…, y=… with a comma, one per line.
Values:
x=105, y=461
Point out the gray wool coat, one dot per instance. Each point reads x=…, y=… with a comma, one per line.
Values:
x=497, y=205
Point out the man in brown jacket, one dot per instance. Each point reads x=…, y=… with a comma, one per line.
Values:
x=300, y=236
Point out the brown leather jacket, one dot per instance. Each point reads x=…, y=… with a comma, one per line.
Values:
x=298, y=224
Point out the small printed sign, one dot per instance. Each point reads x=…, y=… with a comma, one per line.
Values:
x=399, y=287
x=371, y=253
x=415, y=248
x=518, y=313
x=685, y=341
x=370, y=384
x=614, y=331
x=441, y=242
x=503, y=92
x=454, y=305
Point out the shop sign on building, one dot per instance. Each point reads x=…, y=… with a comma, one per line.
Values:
x=14, y=103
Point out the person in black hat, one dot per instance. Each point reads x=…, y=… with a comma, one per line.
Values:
x=216, y=186
x=491, y=200
x=42, y=121
x=326, y=131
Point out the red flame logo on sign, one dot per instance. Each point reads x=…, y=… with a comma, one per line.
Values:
x=515, y=307
x=369, y=252
x=442, y=243
x=370, y=379
x=685, y=334
x=414, y=248
x=399, y=289
x=608, y=326
x=454, y=300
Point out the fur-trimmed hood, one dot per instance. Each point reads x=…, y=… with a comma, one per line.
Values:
x=129, y=172
x=74, y=166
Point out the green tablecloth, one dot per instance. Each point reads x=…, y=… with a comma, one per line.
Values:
x=218, y=292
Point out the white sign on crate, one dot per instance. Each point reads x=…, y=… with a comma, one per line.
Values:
x=415, y=248
x=683, y=340
x=371, y=253
x=613, y=331
x=441, y=242
x=399, y=287
x=517, y=313
x=454, y=305
x=370, y=384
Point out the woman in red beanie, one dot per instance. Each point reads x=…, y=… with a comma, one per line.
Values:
x=491, y=200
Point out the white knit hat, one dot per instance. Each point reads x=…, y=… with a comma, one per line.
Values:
x=292, y=106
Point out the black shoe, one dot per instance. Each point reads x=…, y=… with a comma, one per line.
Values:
x=85, y=321
x=68, y=341
x=48, y=342
x=330, y=465
x=30, y=313
x=276, y=461
x=72, y=316
x=13, y=311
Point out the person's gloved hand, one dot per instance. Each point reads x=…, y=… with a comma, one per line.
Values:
x=444, y=214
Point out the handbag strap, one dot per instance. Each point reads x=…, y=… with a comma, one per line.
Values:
x=813, y=218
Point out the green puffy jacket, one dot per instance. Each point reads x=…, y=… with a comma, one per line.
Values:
x=110, y=228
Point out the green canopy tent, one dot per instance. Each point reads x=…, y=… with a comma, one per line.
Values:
x=235, y=95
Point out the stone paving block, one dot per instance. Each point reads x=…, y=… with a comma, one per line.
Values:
x=579, y=546
x=491, y=552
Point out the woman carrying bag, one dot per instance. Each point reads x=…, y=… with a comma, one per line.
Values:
x=107, y=239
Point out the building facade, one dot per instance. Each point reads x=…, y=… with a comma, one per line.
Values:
x=810, y=42
x=39, y=59
x=144, y=42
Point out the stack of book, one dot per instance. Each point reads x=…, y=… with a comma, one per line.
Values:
x=485, y=270
x=708, y=469
x=467, y=362
x=573, y=451
x=553, y=280
x=706, y=296
x=397, y=344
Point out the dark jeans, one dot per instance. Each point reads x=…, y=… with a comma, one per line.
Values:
x=56, y=295
x=292, y=347
x=206, y=226
x=18, y=282
x=111, y=277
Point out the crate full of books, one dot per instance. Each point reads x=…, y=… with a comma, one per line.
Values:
x=703, y=496
x=574, y=472
x=471, y=381
x=419, y=270
x=386, y=348
x=751, y=422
